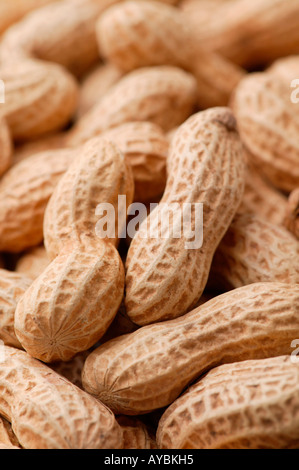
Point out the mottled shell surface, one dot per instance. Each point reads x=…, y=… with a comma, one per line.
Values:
x=253, y=250
x=163, y=95
x=72, y=303
x=148, y=369
x=99, y=175
x=24, y=194
x=268, y=123
x=48, y=412
x=39, y=98
x=69, y=307
x=62, y=32
x=136, y=34
x=247, y=405
x=251, y=34
x=165, y=278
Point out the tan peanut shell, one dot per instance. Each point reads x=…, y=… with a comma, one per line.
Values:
x=40, y=97
x=253, y=250
x=163, y=95
x=291, y=220
x=166, y=275
x=144, y=145
x=135, y=434
x=268, y=123
x=261, y=198
x=136, y=34
x=33, y=262
x=98, y=175
x=12, y=288
x=145, y=148
x=24, y=194
x=249, y=33
x=13, y=11
x=69, y=307
x=148, y=369
x=95, y=86
x=5, y=147
x=48, y=412
x=31, y=55
x=247, y=405
x=62, y=32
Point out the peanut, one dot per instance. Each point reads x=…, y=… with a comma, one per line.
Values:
x=148, y=369
x=144, y=145
x=163, y=95
x=249, y=33
x=62, y=32
x=165, y=278
x=24, y=193
x=40, y=98
x=48, y=412
x=135, y=34
x=99, y=97
x=268, y=124
x=247, y=405
x=253, y=250
x=12, y=288
x=53, y=321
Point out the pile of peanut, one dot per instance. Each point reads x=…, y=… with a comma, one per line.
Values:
x=143, y=343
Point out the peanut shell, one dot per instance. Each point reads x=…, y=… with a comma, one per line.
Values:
x=247, y=405
x=148, y=369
